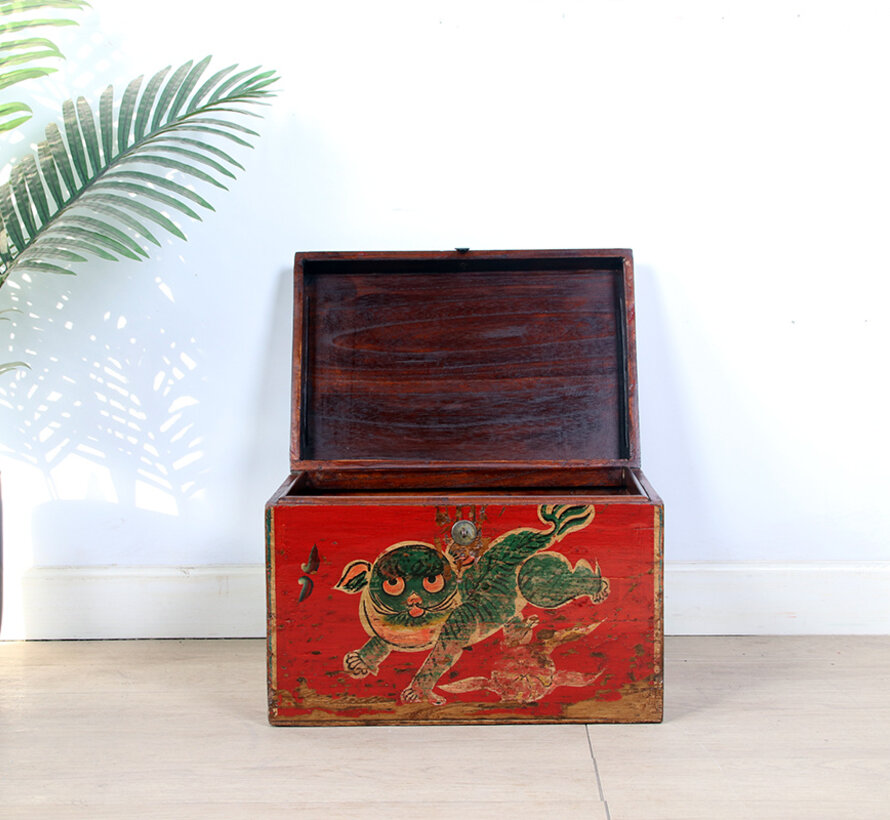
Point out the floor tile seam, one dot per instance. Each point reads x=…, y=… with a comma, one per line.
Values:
x=596, y=772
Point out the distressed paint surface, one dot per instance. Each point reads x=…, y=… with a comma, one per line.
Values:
x=589, y=651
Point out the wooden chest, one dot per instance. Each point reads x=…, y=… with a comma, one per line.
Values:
x=465, y=535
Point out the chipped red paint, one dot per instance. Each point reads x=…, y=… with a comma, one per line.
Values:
x=608, y=673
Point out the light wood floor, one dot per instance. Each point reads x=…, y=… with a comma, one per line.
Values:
x=755, y=728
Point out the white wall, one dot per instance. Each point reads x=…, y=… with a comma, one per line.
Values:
x=739, y=148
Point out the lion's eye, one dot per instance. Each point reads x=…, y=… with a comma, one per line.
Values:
x=394, y=586
x=433, y=583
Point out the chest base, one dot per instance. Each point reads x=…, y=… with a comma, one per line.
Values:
x=488, y=605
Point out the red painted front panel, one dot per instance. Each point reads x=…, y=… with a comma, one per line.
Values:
x=581, y=660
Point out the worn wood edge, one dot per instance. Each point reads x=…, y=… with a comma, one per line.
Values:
x=271, y=613
x=546, y=253
x=439, y=480
x=283, y=489
x=295, y=491
x=630, y=358
x=658, y=581
x=448, y=498
x=298, y=371
x=647, y=487
x=462, y=474
x=280, y=722
x=422, y=466
x=393, y=465
x=643, y=704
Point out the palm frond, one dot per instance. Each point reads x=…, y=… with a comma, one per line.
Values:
x=22, y=57
x=94, y=184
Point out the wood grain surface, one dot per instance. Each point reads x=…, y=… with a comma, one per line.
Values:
x=465, y=357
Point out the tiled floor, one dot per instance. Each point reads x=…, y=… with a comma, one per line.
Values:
x=754, y=728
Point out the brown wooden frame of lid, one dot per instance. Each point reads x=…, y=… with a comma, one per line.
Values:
x=308, y=265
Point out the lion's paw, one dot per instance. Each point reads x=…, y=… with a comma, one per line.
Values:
x=355, y=666
x=414, y=694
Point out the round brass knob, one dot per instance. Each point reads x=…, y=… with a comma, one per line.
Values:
x=464, y=532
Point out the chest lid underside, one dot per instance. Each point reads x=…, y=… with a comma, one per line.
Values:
x=473, y=358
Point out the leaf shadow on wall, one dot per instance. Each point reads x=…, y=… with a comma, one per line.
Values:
x=107, y=412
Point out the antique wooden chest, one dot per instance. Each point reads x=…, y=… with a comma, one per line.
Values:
x=465, y=535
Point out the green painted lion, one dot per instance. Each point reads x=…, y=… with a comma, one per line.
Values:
x=416, y=598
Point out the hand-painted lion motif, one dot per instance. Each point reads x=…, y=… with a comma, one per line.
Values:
x=414, y=597
x=406, y=596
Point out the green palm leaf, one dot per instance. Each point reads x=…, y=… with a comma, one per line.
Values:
x=21, y=57
x=93, y=186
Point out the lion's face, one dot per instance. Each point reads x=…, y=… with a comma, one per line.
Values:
x=407, y=594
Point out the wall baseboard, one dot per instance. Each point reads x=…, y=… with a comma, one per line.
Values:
x=806, y=598
x=228, y=601
x=221, y=601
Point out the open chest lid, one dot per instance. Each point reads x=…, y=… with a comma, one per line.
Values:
x=467, y=359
